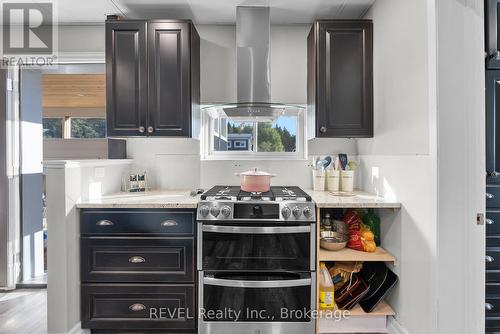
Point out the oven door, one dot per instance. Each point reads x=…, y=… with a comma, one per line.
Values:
x=256, y=247
x=256, y=302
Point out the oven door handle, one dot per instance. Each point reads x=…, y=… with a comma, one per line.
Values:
x=256, y=284
x=256, y=229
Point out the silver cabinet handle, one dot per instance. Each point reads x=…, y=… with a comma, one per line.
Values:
x=256, y=284
x=489, y=195
x=169, y=223
x=104, y=222
x=489, y=221
x=256, y=229
x=493, y=173
x=322, y=129
x=495, y=55
x=488, y=307
x=137, y=259
x=137, y=307
x=151, y=129
x=489, y=258
x=142, y=129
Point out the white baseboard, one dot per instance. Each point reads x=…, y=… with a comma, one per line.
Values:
x=394, y=327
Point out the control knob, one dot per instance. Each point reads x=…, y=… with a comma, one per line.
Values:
x=307, y=212
x=204, y=211
x=226, y=211
x=286, y=212
x=215, y=211
x=296, y=212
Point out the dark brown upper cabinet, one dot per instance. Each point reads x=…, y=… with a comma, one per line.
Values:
x=153, y=80
x=340, y=79
x=492, y=8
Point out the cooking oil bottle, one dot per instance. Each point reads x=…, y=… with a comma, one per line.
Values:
x=326, y=289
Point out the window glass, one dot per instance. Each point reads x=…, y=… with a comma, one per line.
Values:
x=52, y=128
x=88, y=128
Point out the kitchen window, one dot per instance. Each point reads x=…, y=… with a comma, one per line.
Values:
x=278, y=136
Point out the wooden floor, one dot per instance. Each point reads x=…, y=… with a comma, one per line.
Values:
x=23, y=312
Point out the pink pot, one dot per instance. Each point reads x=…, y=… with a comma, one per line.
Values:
x=255, y=181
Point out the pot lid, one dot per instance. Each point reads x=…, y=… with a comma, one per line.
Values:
x=255, y=172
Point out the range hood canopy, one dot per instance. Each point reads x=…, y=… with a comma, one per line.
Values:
x=253, y=72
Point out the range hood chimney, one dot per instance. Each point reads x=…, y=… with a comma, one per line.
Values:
x=253, y=58
x=253, y=27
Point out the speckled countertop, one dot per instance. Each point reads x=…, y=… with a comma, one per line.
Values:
x=150, y=199
x=360, y=199
x=182, y=199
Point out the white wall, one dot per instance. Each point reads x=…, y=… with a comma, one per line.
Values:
x=399, y=162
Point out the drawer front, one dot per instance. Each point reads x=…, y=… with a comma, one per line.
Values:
x=492, y=307
x=166, y=307
x=133, y=222
x=493, y=196
x=492, y=258
x=135, y=259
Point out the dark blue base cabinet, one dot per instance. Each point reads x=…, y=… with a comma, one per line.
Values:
x=138, y=270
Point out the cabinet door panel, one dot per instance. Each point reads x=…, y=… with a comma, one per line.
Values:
x=126, y=78
x=492, y=34
x=169, y=79
x=345, y=106
x=492, y=126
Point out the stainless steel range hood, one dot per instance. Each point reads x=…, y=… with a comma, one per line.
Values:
x=253, y=57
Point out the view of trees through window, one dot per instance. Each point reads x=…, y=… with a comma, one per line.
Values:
x=277, y=136
x=88, y=128
x=53, y=127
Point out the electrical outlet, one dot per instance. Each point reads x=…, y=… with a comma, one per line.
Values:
x=480, y=219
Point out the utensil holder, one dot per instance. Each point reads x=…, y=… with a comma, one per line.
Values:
x=347, y=180
x=332, y=179
x=318, y=180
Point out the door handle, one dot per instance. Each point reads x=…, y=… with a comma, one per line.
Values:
x=256, y=284
x=137, y=259
x=169, y=223
x=489, y=259
x=489, y=221
x=322, y=129
x=142, y=129
x=488, y=307
x=495, y=55
x=137, y=307
x=493, y=174
x=104, y=222
x=489, y=195
x=256, y=229
x=151, y=129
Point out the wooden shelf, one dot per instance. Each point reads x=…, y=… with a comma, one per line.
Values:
x=348, y=254
x=382, y=309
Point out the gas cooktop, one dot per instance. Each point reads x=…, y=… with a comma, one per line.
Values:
x=234, y=193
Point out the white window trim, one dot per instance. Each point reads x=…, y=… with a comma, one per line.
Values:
x=208, y=153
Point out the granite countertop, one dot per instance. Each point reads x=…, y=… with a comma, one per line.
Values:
x=361, y=199
x=150, y=199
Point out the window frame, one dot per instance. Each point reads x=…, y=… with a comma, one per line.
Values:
x=207, y=142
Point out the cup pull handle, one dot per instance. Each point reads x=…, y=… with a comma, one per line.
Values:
x=137, y=307
x=104, y=222
x=489, y=221
x=137, y=259
x=169, y=223
x=489, y=196
x=489, y=258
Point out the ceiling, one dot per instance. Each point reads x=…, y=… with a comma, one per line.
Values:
x=207, y=11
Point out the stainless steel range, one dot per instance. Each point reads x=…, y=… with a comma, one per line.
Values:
x=256, y=261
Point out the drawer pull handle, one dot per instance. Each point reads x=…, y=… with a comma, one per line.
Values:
x=137, y=307
x=489, y=258
x=488, y=307
x=104, y=222
x=489, y=221
x=169, y=223
x=137, y=259
x=489, y=196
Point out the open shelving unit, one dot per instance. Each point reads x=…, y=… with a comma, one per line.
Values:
x=358, y=320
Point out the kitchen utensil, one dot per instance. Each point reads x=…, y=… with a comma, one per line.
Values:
x=380, y=280
x=328, y=161
x=255, y=181
x=334, y=241
x=343, y=160
x=336, y=164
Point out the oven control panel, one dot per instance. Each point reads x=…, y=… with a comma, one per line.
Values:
x=257, y=211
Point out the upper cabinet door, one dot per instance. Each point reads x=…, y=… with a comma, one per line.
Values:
x=493, y=126
x=126, y=78
x=492, y=34
x=343, y=78
x=169, y=79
